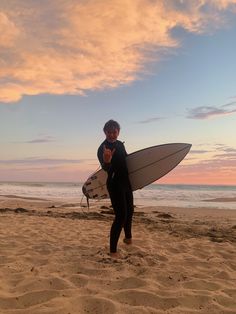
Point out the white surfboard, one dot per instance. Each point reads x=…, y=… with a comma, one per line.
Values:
x=145, y=166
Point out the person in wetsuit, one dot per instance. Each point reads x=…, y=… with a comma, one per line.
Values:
x=112, y=157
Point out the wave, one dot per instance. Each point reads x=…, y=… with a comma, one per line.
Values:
x=154, y=194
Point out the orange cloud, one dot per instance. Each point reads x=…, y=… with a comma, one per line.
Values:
x=9, y=31
x=69, y=47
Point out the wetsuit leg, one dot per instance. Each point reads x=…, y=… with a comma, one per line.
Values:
x=129, y=215
x=118, y=200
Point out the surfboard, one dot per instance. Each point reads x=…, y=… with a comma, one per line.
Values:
x=144, y=166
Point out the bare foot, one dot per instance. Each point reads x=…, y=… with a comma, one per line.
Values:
x=127, y=240
x=115, y=255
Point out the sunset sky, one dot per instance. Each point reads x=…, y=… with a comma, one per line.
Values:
x=166, y=70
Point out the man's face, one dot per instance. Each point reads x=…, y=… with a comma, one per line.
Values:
x=112, y=135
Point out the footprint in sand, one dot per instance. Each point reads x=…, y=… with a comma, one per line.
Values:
x=228, y=302
x=79, y=280
x=40, y=283
x=195, y=301
x=27, y=300
x=128, y=283
x=142, y=298
x=95, y=305
x=201, y=285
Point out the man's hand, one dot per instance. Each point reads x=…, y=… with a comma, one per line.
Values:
x=107, y=154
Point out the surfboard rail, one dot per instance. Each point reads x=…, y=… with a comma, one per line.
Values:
x=145, y=166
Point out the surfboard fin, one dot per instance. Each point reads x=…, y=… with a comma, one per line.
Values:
x=87, y=201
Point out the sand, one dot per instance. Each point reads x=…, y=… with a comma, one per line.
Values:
x=54, y=259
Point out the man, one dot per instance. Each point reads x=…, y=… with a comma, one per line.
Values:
x=112, y=157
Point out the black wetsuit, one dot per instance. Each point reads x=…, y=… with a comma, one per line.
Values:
x=120, y=191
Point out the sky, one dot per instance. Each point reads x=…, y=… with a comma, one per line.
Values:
x=165, y=70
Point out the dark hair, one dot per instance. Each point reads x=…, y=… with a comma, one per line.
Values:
x=111, y=125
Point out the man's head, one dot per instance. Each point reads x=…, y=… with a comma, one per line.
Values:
x=112, y=130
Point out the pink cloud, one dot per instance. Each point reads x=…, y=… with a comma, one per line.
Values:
x=9, y=31
x=217, y=169
x=70, y=47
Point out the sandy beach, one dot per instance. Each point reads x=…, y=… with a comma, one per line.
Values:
x=54, y=259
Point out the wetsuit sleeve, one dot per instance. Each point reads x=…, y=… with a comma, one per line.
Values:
x=125, y=152
x=105, y=166
x=119, y=160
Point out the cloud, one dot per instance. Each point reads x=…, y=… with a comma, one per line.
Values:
x=198, y=151
x=44, y=139
x=230, y=156
x=230, y=150
x=70, y=47
x=46, y=169
x=9, y=31
x=40, y=161
x=230, y=104
x=225, y=149
x=217, y=167
x=207, y=112
x=150, y=120
x=223, y=157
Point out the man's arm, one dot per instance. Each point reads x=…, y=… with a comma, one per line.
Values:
x=104, y=157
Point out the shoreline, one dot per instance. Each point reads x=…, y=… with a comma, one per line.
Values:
x=152, y=203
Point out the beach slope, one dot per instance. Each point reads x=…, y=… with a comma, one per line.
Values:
x=54, y=259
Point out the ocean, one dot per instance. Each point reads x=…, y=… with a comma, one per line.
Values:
x=187, y=196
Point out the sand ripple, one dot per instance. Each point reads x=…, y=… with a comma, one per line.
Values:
x=57, y=263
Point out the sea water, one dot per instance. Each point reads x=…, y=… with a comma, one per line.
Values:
x=187, y=196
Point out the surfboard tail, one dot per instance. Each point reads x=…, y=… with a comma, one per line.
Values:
x=85, y=191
